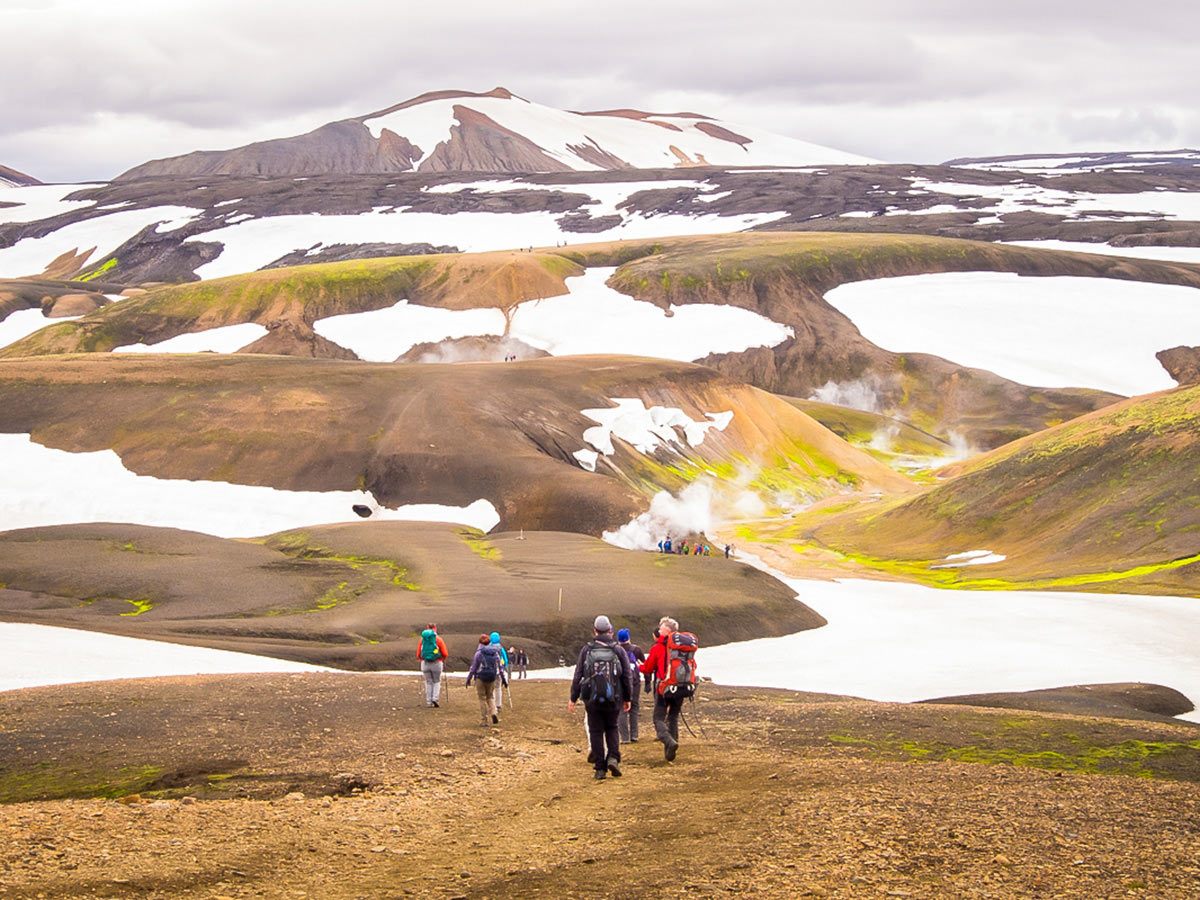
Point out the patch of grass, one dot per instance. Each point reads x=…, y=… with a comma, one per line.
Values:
x=108, y=265
x=48, y=781
x=1065, y=752
x=139, y=606
x=479, y=545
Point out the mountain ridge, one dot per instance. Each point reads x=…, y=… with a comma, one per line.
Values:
x=499, y=131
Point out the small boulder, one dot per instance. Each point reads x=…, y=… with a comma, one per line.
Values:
x=78, y=304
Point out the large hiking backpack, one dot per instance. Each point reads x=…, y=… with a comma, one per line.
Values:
x=601, y=673
x=489, y=663
x=429, y=647
x=681, y=665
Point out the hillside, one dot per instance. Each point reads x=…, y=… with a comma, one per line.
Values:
x=527, y=436
x=497, y=131
x=1103, y=503
x=781, y=276
x=356, y=596
x=13, y=178
x=346, y=786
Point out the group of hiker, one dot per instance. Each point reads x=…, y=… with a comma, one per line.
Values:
x=490, y=670
x=610, y=675
x=683, y=548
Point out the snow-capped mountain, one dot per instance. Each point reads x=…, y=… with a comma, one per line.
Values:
x=460, y=131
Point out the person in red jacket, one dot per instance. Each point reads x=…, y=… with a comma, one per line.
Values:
x=431, y=651
x=666, y=708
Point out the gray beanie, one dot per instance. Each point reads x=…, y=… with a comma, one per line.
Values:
x=602, y=624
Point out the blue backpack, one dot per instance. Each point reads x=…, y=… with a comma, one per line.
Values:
x=489, y=663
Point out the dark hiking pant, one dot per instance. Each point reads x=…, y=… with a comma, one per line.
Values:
x=666, y=717
x=627, y=723
x=602, y=729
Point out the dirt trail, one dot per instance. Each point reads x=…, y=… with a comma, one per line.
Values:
x=781, y=795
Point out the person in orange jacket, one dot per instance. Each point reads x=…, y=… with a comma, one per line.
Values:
x=431, y=651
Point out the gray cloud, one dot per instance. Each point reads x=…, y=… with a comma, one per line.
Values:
x=92, y=88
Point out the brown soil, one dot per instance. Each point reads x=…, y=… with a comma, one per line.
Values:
x=348, y=787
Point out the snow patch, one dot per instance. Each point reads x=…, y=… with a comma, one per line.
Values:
x=971, y=558
x=40, y=486
x=382, y=335
x=38, y=655
x=24, y=322
x=1045, y=332
x=226, y=339
x=647, y=429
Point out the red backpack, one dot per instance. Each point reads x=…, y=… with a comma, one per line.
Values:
x=681, y=665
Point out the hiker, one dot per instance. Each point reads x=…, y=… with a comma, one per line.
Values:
x=627, y=721
x=522, y=664
x=488, y=672
x=672, y=662
x=432, y=653
x=727, y=551
x=602, y=681
x=494, y=639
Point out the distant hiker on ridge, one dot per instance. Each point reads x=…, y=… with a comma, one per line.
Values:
x=487, y=671
x=602, y=681
x=432, y=653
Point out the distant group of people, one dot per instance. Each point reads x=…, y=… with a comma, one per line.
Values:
x=683, y=548
x=510, y=357
x=610, y=675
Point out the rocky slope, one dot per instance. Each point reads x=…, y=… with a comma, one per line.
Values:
x=497, y=131
x=346, y=786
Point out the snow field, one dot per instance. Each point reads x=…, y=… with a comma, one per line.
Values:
x=40, y=486
x=40, y=201
x=901, y=642
x=36, y=655
x=226, y=339
x=253, y=243
x=96, y=237
x=1045, y=332
x=24, y=322
x=1168, y=254
x=615, y=323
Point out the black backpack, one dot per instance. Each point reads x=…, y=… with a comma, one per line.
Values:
x=489, y=663
x=601, y=673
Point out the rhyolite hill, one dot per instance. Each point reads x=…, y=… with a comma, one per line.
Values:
x=780, y=275
x=1105, y=502
x=498, y=131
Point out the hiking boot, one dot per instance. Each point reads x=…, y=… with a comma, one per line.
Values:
x=615, y=769
x=669, y=749
x=591, y=756
x=434, y=704
x=495, y=719
x=600, y=775
x=633, y=740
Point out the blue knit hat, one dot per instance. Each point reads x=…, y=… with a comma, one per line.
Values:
x=495, y=637
x=623, y=634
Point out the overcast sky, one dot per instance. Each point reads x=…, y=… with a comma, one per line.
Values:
x=93, y=87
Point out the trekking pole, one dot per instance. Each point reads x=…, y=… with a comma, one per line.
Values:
x=445, y=685
x=508, y=693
